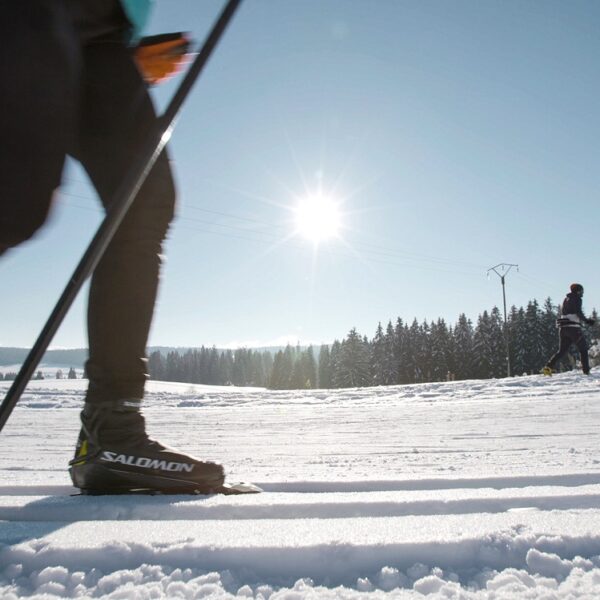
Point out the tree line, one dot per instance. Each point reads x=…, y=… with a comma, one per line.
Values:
x=434, y=351
x=399, y=353
x=12, y=375
x=241, y=367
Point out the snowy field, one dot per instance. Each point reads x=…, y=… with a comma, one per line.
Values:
x=470, y=490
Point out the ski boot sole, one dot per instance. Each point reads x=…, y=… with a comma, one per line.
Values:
x=96, y=479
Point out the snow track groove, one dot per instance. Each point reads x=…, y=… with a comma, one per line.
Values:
x=297, y=505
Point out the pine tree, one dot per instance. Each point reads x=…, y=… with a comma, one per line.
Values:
x=309, y=368
x=354, y=361
x=335, y=364
x=276, y=373
x=304, y=371
x=401, y=337
x=378, y=352
x=156, y=366
x=549, y=330
x=324, y=368
x=283, y=370
x=413, y=354
x=185, y=367
x=172, y=366
x=389, y=368
x=462, y=341
x=202, y=359
x=226, y=368
x=535, y=353
x=439, y=342
x=267, y=362
x=489, y=346
x=518, y=341
x=498, y=338
x=297, y=379
x=289, y=358
x=424, y=352
x=213, y=376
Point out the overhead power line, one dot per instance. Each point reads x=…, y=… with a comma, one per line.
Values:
x=266, y=233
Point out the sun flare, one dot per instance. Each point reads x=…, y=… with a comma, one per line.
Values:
x=317, y=218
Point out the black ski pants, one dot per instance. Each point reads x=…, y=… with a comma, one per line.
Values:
x=69, y=85
x=571, y=336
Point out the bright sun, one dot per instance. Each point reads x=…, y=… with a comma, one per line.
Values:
x=317, y=218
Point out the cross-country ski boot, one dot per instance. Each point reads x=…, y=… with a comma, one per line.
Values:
x=547, y=371
x=114, y=455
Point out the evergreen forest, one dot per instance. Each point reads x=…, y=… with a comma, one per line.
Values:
x=398, y=353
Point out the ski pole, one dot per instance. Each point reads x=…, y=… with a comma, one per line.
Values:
x=123, y=199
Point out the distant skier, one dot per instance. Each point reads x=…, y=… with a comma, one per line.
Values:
x=74, y=81
x=570, y=330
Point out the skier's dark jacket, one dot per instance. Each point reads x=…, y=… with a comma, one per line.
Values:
x=571, y=314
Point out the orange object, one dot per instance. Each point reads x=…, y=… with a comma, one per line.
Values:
x=161, y=56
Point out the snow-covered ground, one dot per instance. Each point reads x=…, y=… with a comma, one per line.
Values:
x=478, y=489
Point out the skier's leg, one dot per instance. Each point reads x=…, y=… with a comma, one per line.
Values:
x=114, y=454
x=582, y=346
x=38, y=94
x=564, y=345
x=116, y=117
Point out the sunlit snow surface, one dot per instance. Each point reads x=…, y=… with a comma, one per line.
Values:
x=478, y=489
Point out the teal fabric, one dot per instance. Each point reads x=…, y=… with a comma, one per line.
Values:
x=138, y=12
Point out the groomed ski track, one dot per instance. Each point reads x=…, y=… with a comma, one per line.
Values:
x=500, y=496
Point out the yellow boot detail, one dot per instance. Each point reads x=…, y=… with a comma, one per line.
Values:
x=82, y=453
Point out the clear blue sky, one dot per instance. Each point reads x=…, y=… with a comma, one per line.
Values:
x=455, y=135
